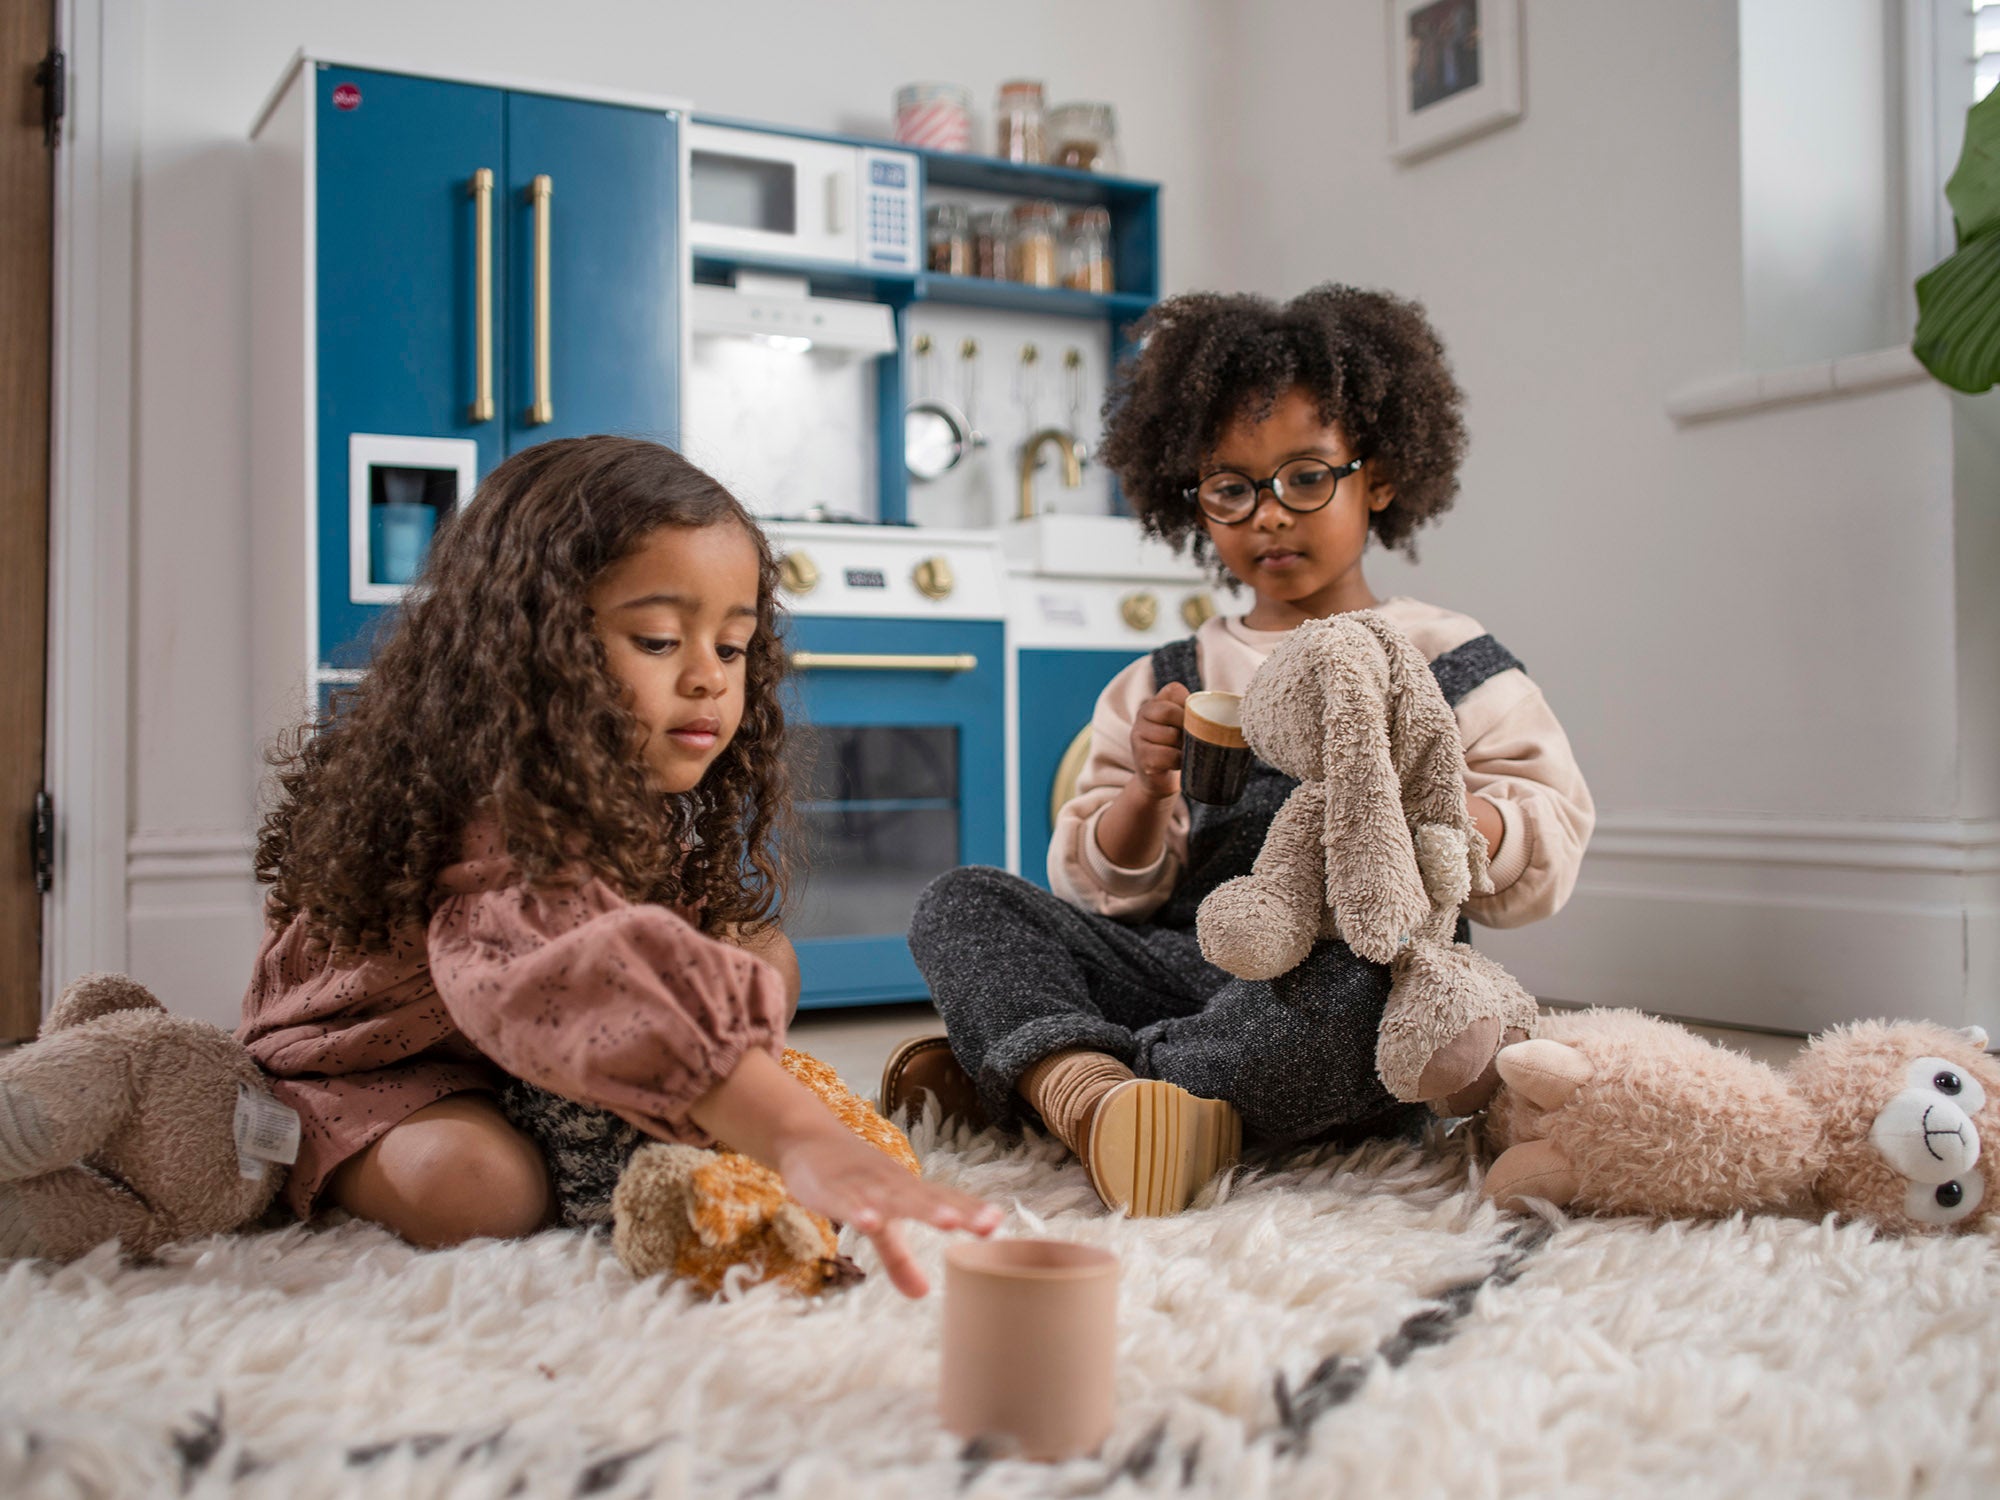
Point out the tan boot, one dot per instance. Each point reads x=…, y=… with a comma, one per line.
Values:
x=1153, y=1146
x=926, y=1065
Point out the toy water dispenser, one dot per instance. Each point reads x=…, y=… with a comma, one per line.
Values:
x=400, y=491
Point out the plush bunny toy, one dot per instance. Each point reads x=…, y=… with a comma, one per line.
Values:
x=124, y=1122
x=1375, y=846
x=1612, y=1111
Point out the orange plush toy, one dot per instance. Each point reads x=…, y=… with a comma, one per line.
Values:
x=697, y=1214
x=1612, y=1111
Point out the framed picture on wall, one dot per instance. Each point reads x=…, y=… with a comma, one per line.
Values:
x=1454, y=71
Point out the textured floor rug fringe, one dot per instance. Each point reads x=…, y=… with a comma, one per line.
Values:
x=1349, y=1322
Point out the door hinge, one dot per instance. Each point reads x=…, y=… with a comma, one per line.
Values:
x=45, y=842
x=52, y=77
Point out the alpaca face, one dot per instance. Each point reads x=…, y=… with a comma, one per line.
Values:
x=1908, y=1108
x=1929, y=1132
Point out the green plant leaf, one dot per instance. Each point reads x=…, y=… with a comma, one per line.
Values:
x=1958, y=316
x=1974, y=188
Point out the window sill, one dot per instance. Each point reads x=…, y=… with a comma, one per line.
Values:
x=1824, y=380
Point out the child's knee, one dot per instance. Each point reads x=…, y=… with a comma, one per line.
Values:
x=453, y=1171
x=967, y=894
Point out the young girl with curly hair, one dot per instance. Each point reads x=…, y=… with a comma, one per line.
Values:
x=1275, y=440
x=536, y=846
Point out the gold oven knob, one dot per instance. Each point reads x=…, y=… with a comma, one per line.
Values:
x=1139, y=610
x=1198, y=609
x=797, y=573
x=933, y=578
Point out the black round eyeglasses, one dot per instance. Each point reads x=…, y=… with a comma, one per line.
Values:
x=1301, y=485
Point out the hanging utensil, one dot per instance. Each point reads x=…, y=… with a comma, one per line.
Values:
x=968, y=379
x=935, y=434
x=1073, y=390
x=1028, y=386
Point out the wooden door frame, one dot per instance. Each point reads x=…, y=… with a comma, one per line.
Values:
x=88, y=756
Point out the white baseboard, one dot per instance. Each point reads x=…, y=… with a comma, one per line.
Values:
x=194, y=920
x=1790, y=925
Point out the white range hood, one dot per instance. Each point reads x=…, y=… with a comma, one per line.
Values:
x=781, y=310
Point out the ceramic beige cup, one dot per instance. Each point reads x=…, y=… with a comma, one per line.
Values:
x=1215, y=758
x=1030, y=1344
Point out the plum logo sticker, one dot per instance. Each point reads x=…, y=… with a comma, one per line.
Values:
x=347, y=96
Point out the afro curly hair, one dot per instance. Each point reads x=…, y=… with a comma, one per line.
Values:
x=1370, y=360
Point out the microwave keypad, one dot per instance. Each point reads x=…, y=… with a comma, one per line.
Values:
x=889, y=212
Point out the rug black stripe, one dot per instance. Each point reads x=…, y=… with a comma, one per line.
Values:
x=1339, y=1376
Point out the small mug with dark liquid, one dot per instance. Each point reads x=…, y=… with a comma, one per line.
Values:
x=1215, y=758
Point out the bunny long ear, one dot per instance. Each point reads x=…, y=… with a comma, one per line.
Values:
x=1373, y=883
x=1426, y=749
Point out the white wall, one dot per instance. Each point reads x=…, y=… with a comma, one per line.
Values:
x=1752, y=626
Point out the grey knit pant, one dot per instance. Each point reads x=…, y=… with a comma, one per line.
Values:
x=1018, y=974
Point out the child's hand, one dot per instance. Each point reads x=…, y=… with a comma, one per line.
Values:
x=1156, y=742
x=765, y=1113
x=841, y=1176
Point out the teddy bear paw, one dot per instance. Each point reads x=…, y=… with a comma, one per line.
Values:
x=1461, y=1062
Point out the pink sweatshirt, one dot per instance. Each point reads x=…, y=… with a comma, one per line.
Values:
x=1516, y=756
x=622, y=1005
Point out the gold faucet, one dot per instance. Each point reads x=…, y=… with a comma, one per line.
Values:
x=1031, y=460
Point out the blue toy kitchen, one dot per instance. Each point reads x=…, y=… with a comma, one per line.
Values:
x=446, y=270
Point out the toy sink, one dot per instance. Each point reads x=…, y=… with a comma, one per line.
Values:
x=1059, y=546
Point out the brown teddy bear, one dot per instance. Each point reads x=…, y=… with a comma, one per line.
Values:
x=124, y=1122
x=1612, y=1111
x=693, y=1212
x=1374, y=846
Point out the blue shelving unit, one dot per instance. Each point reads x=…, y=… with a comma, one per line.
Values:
x=1134, y=207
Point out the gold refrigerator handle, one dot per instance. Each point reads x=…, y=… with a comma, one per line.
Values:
x=855, y=661
x=540, y=192
x=481, y=189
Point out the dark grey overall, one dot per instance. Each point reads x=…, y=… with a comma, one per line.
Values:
x=1019, y=973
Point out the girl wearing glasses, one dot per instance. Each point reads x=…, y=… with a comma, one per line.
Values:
x=1275, y=441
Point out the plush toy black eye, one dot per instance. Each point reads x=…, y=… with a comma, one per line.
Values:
x=1950, y=1195
x=1947, y=1082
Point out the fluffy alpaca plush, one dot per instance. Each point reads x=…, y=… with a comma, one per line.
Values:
x=120, y=1122
x=1376, y=847
x=697, y=1214
x=1615, y=1112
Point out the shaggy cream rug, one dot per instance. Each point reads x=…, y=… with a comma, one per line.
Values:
x=1334, y=1325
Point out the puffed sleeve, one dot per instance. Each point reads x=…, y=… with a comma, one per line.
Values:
x=1518, y=758
x=625, y=1006
x=1078, y=869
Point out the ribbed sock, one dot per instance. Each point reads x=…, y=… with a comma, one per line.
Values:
x=1066, y=1088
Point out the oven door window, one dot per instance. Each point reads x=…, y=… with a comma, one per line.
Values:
x=879, y=805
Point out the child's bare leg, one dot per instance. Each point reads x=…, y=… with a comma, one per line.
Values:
x=453, y=1171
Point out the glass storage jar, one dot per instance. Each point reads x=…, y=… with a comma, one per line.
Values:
x=948, y=239
x=990, y=244
x=1018, y=118
x=1082, y=136
x=1032, y=252
x=1086, y=251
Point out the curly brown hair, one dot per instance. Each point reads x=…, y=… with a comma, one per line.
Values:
x=1371, y=361
x=492, y=694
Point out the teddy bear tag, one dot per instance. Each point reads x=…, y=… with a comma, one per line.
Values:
x=266, y=1131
